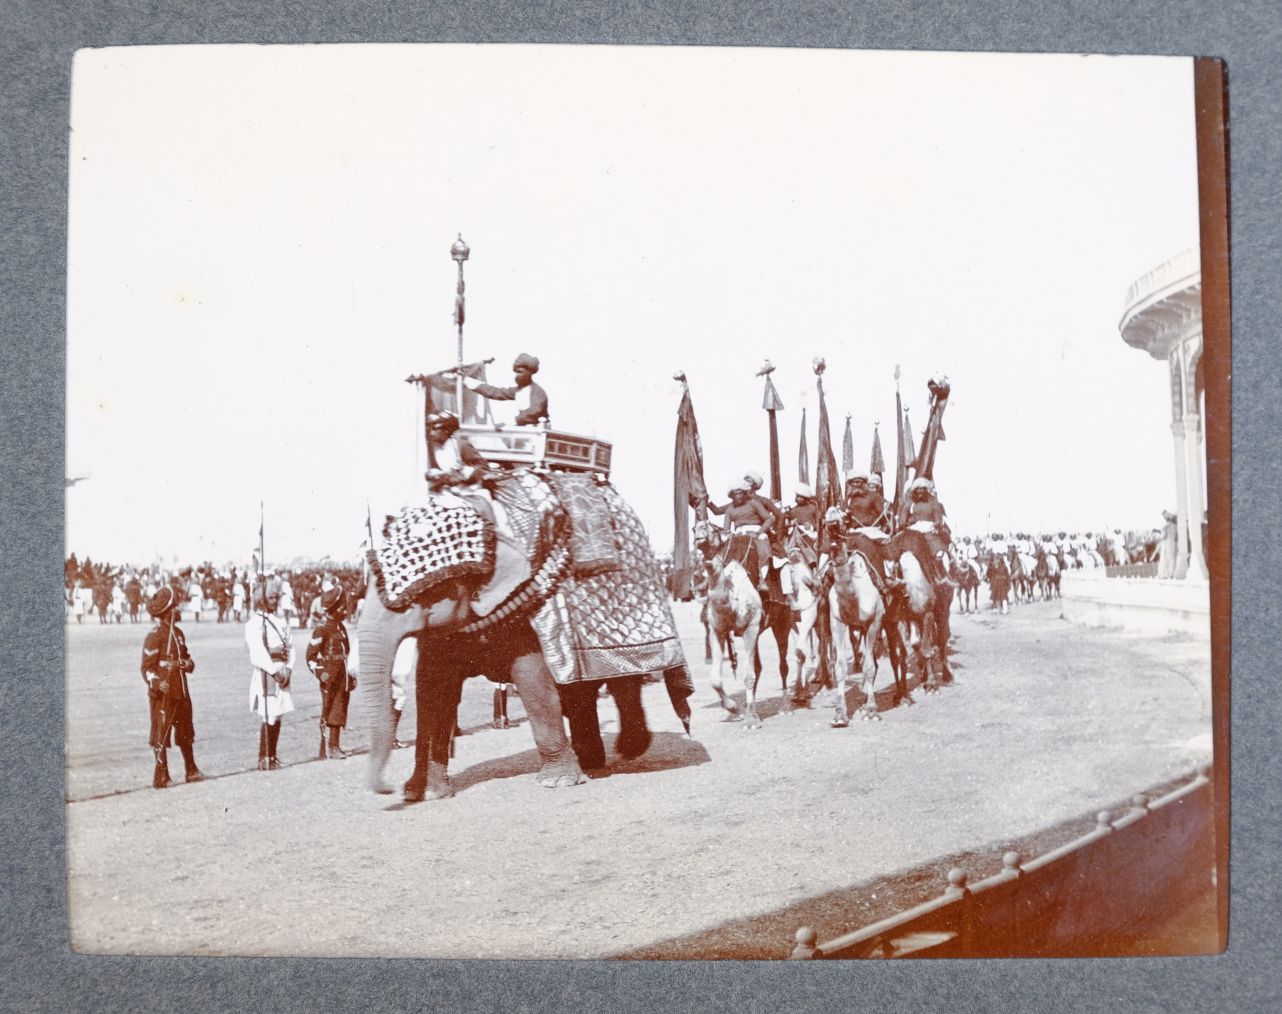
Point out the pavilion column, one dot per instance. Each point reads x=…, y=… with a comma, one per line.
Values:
x=1195, y=456
x=1181, y=500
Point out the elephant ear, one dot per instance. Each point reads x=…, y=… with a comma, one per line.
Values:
x=429, y=544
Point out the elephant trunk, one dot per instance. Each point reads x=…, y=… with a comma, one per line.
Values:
x=379, y=632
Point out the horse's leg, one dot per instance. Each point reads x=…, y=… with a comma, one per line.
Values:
x=781, y=626
x=707, y=635
x=716, y=669
x=868, y=668
x=839, y=638
x=751, y=634
x=928, y=649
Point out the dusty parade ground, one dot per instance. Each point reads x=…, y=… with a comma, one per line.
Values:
x=717, y=845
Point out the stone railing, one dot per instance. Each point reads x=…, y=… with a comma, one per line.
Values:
x=1179, y=272
x=1090, y=896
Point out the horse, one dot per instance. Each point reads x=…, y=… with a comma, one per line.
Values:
x=999, y=583
x=967, y=576
x=736, y=608
x=1021, y=575
x=856, y=610
x=1046, y=573
x=923, y=606
x=805, y=602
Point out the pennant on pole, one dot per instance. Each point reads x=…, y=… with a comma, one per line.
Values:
x=827, y=481
x=901, y=460
x=771, y=402
x=878, y=464
x=910, y=449
x=689, y=490
x=803, y=455
x=847, y=448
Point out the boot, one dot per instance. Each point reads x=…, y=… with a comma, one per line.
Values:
x=273, y=735
x=396, y=720
x=500, y=709
x=336, y=752
x=262, y=747
x=321, y=754
x=160, y=777
x=194, y=774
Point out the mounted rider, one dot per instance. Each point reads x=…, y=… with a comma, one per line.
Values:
x=804, y=519
x=867, y=521
x=746, y=515
x=926, y=515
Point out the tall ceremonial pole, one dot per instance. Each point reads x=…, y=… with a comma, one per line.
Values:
x=771, y=402
x=460, y=252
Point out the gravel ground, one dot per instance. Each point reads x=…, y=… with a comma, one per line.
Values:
x=717, y=845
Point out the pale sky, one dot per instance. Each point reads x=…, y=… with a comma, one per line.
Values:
x=259, y=254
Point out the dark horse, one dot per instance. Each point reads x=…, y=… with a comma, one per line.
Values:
x=966, y=574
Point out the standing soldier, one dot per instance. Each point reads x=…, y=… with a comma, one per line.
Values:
x=327, y=653
x=133, y=594
x=272, y=653
x=166, y=664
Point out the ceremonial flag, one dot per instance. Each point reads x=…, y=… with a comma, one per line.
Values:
x=910, y=450
x=878, y=464
x=827, y=481
x=847, y=449
x=771, y=402
x=803, y=455
x=689, y=490
x=440, y=394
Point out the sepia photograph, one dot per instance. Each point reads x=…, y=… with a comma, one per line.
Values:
x=638, y=502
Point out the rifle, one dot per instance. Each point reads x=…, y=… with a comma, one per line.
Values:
x=162, y=741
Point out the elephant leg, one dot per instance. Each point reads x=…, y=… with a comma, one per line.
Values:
x=578, y=701
x=634, y=732
x=543, y=706
x=437, y=698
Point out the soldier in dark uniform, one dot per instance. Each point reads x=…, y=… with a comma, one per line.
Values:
x=327, y=653
x=531, y=400
x=166, y=664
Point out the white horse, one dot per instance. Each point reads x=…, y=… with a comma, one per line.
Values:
x=805, y=600
x=855, y=606
x=734, y=610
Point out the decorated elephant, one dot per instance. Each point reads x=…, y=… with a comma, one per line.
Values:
x=548, y=583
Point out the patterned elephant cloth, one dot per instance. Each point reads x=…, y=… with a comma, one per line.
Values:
x=423, y=545
x=605, y=615
x=611, y=624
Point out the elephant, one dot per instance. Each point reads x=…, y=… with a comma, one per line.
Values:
x=459, y=637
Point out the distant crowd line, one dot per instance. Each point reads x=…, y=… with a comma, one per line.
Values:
x=118, y=593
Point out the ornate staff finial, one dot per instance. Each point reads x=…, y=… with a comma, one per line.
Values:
x=767, y=369
x=819, y=365
x=896, y=373
x=680, y=375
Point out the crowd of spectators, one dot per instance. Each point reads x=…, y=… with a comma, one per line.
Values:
x=118, y=593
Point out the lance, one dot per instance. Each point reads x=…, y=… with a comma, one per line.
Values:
x=262, y=581
x=847, y=448
x=460, y=252
x=771, y=402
